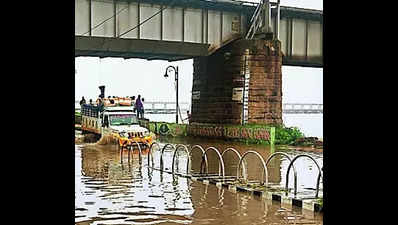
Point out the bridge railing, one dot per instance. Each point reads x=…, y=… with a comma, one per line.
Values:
x=161, y=107
x=310, y=106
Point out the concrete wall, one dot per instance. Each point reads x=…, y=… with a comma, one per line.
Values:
x=216, y=76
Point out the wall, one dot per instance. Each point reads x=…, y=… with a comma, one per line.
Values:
x=216, y=76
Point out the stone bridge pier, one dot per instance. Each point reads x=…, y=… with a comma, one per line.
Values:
x=218, y=81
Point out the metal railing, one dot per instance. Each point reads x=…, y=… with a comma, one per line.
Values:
x=159, y=107
x=262, y=18
x=302, y=108
x=169, y=108
x=203, y=172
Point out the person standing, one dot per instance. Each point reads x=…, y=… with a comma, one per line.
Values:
x=101, y=105
x=142, y=108
x=83, y=101
x=138, y=106
x=188, y=117
x=133, y=102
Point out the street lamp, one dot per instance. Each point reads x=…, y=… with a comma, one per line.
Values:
x=176, y=79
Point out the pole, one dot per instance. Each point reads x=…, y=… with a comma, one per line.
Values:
x=243, y=93
x=176, y=79
x=272, y=139
x=278, y=10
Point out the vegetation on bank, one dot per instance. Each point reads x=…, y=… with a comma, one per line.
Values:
x=283, y=135
x=287, y=135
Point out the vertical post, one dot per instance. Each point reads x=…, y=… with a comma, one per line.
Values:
x=183, y=24
x=266, y=17
x=221, y=24
x=278, y=19
x=291, y=38
x=203, y=24
x=272, y=139
x=161, y=21
x=89, y=18
x=114, y=19
x=243, y=93
x=207, y=26
x=176, y=78
x=306, y=39
x=139, y=21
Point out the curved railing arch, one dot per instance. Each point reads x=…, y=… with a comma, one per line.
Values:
x=318, y=181
x=232, y=149
x=237, y=153
x=201, y=148
x=139, y=152
x=180, y=146
x=265, y=171
x=317, y=165
x=161, y=154
x=294, y=169
x=220, y=161
x=150, y=152
x=129, y=147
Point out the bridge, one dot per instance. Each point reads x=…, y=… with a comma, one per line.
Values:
x=302, y=108
x=183, y=29
x=160, y=107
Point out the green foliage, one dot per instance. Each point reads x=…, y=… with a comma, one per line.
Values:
x=173, y=127
x=78, y=117
x=320, y=202
x=287, y=135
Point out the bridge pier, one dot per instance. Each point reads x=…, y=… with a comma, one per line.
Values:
x=219, y=80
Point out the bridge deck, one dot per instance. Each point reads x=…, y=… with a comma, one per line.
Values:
x=137, y=48
x=154, y=29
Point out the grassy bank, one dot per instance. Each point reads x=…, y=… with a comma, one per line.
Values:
x=282, y=135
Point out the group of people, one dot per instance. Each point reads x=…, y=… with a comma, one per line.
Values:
x=138, y=104
x=99, y=103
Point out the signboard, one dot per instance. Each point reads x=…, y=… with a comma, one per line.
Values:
x=195, y=95
x=235, y=25
x=237, y=94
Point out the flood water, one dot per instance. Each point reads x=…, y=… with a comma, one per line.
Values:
x=110, y=189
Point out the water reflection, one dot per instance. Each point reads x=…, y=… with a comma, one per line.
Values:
x=111, y=189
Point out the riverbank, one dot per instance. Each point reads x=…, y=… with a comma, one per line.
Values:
x=249, y=133
x=289, y=138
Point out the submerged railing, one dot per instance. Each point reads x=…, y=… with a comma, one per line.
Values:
x=241, y=171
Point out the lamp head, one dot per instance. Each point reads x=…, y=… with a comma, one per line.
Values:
x=165, y=74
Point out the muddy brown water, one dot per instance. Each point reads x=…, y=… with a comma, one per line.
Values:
x=110, y=189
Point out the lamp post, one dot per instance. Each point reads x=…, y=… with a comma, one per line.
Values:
x=176, y=80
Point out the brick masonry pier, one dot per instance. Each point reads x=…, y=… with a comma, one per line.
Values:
x=218, y=81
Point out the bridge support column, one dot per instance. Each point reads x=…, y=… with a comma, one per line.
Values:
x=218, y=81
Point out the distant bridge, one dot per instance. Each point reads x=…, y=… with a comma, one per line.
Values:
x=169, y=108
x=302, y=108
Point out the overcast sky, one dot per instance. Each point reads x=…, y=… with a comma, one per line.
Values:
x=136, y=76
